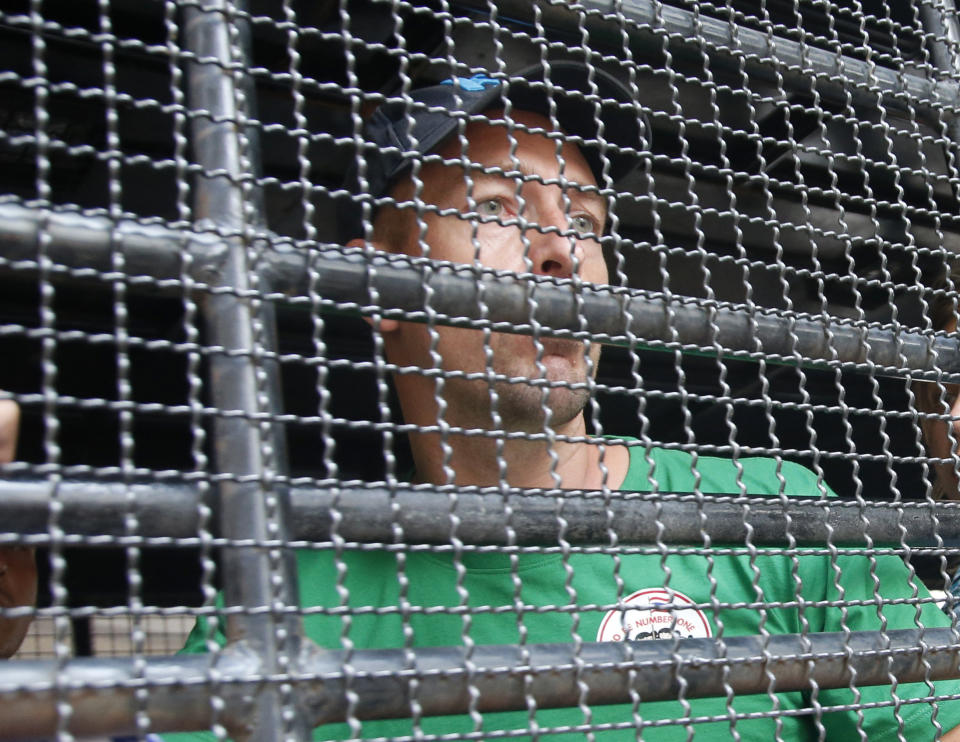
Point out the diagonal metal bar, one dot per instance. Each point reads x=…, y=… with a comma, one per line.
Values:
x=499, y=678
x=96, y=510
x=836, y=76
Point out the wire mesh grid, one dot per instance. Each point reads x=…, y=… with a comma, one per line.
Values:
x=302, y=305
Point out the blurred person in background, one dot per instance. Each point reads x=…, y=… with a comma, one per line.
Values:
x=18, y=565
x=939, y=434
x=941, y=425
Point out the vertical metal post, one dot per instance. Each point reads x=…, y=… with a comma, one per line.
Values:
x=943, y=25
x=260, y=582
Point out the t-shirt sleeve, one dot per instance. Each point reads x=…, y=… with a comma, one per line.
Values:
x=205, y=631
x=198, y=642
x=878, y=594
x=860, y=593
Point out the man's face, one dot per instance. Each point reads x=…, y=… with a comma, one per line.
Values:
x=18, y=587
x=551, y=242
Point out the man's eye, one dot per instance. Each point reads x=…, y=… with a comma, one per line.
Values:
x=492, y=207
x=582, y=224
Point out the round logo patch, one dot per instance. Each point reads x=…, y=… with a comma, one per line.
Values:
x=654, y=613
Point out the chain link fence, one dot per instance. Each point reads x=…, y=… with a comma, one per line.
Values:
x=312, y=404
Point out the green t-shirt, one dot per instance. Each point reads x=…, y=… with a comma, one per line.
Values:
x=585, y=588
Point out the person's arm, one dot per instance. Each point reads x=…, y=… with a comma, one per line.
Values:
x=9, y=426
x=952, y=736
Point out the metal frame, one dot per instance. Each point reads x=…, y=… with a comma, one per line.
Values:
x=267, y=681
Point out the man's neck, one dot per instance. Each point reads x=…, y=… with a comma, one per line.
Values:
x=544, y=463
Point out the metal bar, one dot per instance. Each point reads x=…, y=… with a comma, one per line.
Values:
x=456, y=300
x=400, y=285
x=835, y=75
x=941, y=23
x=96, y=509
x=501, y=677
x=380, y=679
x=251, y=505
x=179, y=697
x=81, y=242
x=470, y=298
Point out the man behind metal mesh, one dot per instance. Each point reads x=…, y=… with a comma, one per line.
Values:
x=505, y=178
x=940, y=436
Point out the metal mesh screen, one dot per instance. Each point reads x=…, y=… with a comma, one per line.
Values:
x=329, y=390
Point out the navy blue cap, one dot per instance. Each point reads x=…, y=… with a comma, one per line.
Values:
x=432, y=114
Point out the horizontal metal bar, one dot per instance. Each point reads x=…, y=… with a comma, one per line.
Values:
x=374, y=515
x=87, y=243
x=101, y=693
x=97, y=507
x=97, y=510
x=450, y=679
x=84, y=243
x=380, y=679
x=465, y=297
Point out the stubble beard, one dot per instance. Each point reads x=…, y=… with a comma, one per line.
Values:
x=523, y=407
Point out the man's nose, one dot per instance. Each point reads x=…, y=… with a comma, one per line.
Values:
x=553, y=251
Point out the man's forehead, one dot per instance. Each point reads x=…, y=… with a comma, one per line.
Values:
x=522, y=175
x=518, y=148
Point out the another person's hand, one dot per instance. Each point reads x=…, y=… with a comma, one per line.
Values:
x=9, y=427
x=18, y=566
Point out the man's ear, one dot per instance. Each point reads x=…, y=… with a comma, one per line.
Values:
x=385, y=326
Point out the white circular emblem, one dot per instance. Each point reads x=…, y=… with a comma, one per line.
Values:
x=654, y=613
